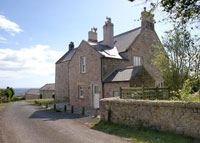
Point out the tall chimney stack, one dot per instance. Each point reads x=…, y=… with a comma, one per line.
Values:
x=147, y=20
x=108, y=38
x=92, y=35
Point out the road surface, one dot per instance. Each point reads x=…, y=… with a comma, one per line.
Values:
x=25, y=123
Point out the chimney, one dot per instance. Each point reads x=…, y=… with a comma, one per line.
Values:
x=147, y=20
x=71, y=46
x=92, y=35
x=108, y=33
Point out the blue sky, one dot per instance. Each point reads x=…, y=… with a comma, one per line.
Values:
x=35, y=33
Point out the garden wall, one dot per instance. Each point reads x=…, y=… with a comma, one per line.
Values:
x=175, y=116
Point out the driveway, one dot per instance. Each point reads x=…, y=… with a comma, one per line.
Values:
x=26, y=123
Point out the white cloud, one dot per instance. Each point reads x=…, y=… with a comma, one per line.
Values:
x=9, y=25
x=2, y=39
x=38, y=60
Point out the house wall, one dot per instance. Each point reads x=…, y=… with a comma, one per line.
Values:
x=143, y=47
x=176, y=116
x=142, y=78
x=111, y=87
x=47, y=93
x=62, y=81
x=88, y=79
x=109, y=65
x=31, y=96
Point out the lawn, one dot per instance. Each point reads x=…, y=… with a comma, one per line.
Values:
x=138, y=134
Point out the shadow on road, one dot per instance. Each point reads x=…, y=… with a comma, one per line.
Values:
x=51, y=115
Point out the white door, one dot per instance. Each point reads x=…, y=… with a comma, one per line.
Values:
x=96, y=96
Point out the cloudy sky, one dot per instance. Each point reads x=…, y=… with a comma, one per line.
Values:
x=35, y=33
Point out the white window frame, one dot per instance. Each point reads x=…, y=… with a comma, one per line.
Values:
x=83, y=64
x=137, y=61
x=80, y=91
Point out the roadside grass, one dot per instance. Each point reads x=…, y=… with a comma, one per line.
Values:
x=2, y=107
x=44, y=101
x=138, y=134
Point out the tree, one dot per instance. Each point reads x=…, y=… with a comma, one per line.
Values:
x=177, y=61
x=179, y=9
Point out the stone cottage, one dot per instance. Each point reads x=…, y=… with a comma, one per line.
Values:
x=96, y=70
x=47, y=91
x=33, y=93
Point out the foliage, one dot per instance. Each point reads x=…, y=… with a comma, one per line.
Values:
x=180, y=58
x=6, y=95
x=188, y=92
x=183, y=10
x=140, y=134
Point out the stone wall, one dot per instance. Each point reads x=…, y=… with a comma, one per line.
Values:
x=62, y=81
x=174, y=116
x=142, y=78
x=110, y=88
x=109, y=65
x=31, y=96
x=144, y=47
x=86, y=80
x=47, y=93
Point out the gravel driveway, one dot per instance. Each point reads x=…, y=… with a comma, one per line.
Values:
x=26, y=123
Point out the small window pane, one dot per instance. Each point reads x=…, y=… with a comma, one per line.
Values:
x=136, y=61
x=81, y=92
x=83, y=64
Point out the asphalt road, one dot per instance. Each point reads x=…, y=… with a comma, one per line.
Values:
x=25, y=123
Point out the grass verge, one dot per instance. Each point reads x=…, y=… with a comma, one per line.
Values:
x=44, y=101
x=138, y=134
x=2, y=107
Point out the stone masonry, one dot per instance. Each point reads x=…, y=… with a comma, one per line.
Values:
x=175, y=116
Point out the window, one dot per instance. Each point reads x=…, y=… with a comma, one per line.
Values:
x=80, y=91
x=137, y=61
x=83, y=64
x=96, y=89
x=115, y=94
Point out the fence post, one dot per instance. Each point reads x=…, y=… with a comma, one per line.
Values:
x=157, y=92
x=72, y=109
x=120, y=92
x=65, y=108
x=168, y=93
x=54, y=106
x=95, y=112
x=83, y=110
x=143, y=96
x=46, y=105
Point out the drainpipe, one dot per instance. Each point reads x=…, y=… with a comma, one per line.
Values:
x=102, y=77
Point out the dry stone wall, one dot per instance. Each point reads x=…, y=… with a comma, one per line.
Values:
x=175, y=116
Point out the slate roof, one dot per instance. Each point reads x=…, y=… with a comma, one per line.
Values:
x=124, y=40
x=67, y=56
x=48, y=86
x=122, y=43
x=123, y=74
x=33, y=91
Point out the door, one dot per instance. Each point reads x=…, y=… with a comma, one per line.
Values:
x=96, y=96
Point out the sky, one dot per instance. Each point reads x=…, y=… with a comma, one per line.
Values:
x=34, y=34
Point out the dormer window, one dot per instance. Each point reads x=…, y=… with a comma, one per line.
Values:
x=83, y=64
x=137, y=61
